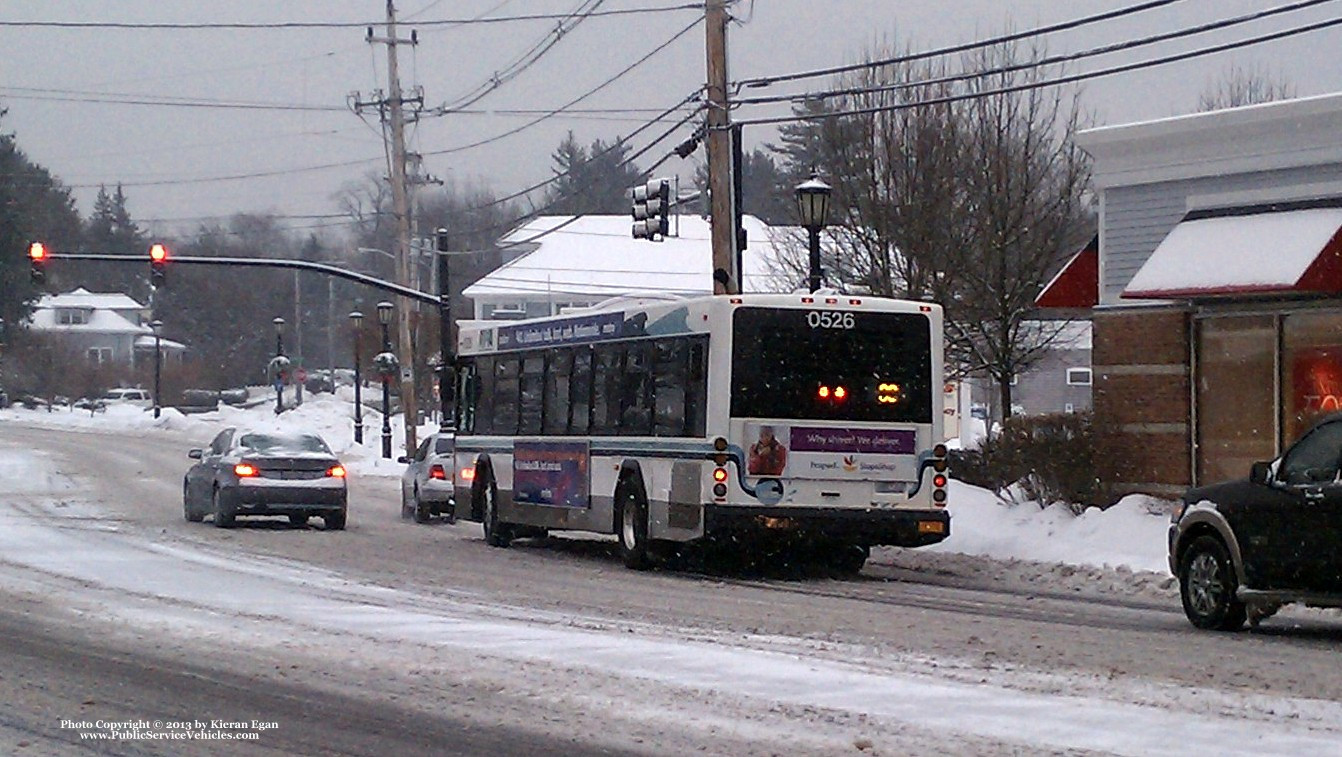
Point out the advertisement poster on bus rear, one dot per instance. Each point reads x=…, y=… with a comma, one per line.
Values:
x=828, y=452
x=551, y=473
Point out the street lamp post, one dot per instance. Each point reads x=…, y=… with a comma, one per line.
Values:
x=357, y=319
x=157, y=326
x=279, y=374
x=813, y=206
x=384, y=317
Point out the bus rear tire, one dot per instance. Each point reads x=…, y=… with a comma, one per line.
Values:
x=635, y=547
x=497, y=533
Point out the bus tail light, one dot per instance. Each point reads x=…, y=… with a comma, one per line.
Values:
x=939, y=478
x=719, y=490
x=720, y=475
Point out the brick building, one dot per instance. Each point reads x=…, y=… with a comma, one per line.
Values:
x=1218, y=300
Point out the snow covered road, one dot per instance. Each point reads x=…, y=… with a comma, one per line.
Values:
x=568, y=643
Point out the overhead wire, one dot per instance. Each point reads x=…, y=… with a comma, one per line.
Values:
x=764, y=81
x=580, y=98
x=279, y=25
x=526, y=60
x=1044, y=83
x=1047, y=61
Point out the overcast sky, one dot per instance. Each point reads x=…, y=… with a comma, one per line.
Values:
x=176, y=163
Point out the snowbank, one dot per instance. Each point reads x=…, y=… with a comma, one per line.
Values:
x=1130, y=534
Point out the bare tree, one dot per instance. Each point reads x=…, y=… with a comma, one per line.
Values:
x=974, y=202
x=1239, y=86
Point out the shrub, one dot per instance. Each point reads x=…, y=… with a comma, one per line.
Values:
x=1050, y=458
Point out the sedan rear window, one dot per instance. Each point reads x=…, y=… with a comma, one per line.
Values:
x=282, y=443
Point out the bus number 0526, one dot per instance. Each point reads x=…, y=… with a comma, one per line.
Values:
x=817, y=319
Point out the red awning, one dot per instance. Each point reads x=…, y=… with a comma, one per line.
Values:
x=1077, y=285
x=1264, y=250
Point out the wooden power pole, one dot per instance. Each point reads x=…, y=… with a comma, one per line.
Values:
x=726, y=279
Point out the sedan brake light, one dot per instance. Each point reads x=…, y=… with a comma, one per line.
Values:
x=437, y=473
x=336, y=471
x=245, y=470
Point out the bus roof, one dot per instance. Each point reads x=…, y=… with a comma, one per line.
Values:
x=633, y=316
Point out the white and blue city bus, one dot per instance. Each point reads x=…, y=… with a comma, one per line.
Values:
x=807, y=417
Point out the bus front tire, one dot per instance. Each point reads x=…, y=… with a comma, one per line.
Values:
x=634, y=542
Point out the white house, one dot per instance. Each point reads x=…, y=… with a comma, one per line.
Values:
x=107, y=328
x=580, y=262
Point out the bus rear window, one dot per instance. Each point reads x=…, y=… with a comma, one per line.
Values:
x=831, y=365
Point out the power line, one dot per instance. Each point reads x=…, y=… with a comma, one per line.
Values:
x=1058, y=81
x=583, y=12
x=612, y=147
x=1048, y=61
x=69, y=95
x=764, y=81
x=236, y=25
x=556, y=111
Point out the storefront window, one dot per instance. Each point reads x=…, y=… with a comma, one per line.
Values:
x=1236, y=409
x=1312, y=370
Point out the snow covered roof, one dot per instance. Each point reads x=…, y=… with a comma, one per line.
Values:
x=595, y=256
x=83, y=298
x=101, y=321
x=1262, y=250
x=146, y=342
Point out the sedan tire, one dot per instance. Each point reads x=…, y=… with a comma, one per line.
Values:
x=1207, y=586
x=192, y=514
x=224, y=513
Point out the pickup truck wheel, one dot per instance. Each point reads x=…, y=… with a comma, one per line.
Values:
x=1207, y=586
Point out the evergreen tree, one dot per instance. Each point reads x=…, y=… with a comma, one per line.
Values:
x=595, y=179
x=34, y=206
x=111, y=230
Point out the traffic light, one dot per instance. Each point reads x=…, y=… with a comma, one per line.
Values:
x=37, y=256
x=158, y=264
x=652, y=207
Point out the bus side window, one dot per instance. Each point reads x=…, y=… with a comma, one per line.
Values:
x=484, y=395
x=580, y=392
x=557, y=392
x=506, y=386
x=696, y=389
x=532, y=404
x=636, y=400
x=669, y=371
x=466, y=399
x=606, y=389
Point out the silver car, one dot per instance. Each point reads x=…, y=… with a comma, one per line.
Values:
x=265, y=473
x=426, y=485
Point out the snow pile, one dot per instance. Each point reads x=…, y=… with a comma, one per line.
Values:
x=1131, y=534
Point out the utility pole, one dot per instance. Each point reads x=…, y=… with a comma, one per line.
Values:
x=726, y=279
x=393, y=114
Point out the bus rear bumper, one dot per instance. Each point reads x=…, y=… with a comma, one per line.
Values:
x=862, y=526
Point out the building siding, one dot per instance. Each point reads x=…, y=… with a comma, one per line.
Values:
x=1138, y=217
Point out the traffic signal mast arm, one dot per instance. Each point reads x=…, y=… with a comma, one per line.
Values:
x=303, y=265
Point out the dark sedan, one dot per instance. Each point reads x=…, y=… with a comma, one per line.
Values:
x=1244, y=548
x=265, y=473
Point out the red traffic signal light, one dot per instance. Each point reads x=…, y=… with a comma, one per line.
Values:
x=37, y=256
x=158, y=258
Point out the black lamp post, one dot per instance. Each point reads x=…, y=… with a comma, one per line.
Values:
x=157, y=326
x=813, y=206
x=357, y=319
x=384, y=365
x=277, y=364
